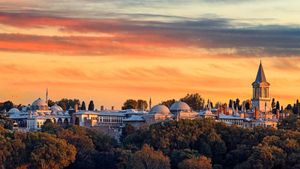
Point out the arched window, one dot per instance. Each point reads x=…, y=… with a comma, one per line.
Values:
x=66, y=121
x=59, y=121
x=77, y=121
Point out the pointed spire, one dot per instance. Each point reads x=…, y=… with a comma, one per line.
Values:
x=260, y=77
x=209, y=105
x=150, y=103
x=47, y=95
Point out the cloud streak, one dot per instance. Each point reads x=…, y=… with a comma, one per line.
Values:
x=233, y=38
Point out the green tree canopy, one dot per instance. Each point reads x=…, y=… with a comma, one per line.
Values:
x=168, y=103
x=130, y=104
x=91, y=106
x=83, y=107
x=195, y=101
x=147, y=158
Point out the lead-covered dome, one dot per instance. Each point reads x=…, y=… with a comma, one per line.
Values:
x=180, y=106
x=14, y=111
x=56, y=108
x=39, y=104
x=160, y=109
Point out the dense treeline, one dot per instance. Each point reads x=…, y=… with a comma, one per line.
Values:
x=192, y=144
x=227, y=147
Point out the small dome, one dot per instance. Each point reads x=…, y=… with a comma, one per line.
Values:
x=56, y=108
x=39, y=102
x=14, y=111
x=160, y=109
x=180, y=106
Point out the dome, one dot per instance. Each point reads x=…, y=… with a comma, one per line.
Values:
x=180, y=106
x=39, y=102
x=56, y=108
x=14, y=111
x=160, y=109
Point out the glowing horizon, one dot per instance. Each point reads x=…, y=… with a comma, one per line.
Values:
x=110, y=51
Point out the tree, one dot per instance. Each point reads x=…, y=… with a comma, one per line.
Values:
x=34, y=150
x=178, y=156
x=79, y=137
x=201, y=162
x=277, y=105
x=6, y=106
x=83, y=107
x=50, y=152
x=230, y=103
x=237, y=103
x=5, y=122
x=51, y=128
x=147, y=158
x=66, y=104
x=127, y=130
x=130, y=104
x=290, y=123
x=91, y=106
x=247, y=105
x=142, y=104
x=289, y=107
x=51, y=103
x=195, y=101
x=168, y=103
x=273, y=104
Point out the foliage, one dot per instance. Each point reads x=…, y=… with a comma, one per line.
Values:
x=290, y=123
x=142, y=105
x=195, y=101
x=6, y=122
x=226, y=146
x=91, y=106
x=7, y=105
x=129, y=104
x=147, y=158
x=34, y=150
x=201, y=143
x=66, y=104
x=201, y=162
x=168, y=103
x=83, y=107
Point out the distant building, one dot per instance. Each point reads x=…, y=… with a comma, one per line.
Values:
x=34, y=116
x=261, y=95
x=112, y=121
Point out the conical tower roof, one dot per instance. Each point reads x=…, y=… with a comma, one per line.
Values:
x=260, y=77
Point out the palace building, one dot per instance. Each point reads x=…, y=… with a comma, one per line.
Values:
x=34, y=116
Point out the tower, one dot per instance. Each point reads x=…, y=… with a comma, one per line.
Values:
x=261, y=98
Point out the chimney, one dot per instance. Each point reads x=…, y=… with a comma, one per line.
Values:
x=101, y=108
x=76, y=107
x=256, y=113
x=112, y=108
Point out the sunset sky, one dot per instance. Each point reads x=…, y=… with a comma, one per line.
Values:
x=112, y=50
